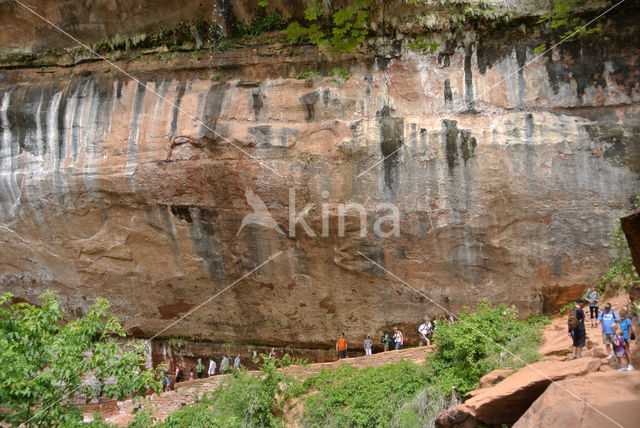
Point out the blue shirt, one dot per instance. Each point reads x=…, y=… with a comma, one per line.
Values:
x=608, y=319
x=624, y=325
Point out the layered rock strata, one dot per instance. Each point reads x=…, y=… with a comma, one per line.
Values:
x=506, y=178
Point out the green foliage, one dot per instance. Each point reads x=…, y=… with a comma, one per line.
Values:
x=397, y=395
x=176, y=342
x=562, y=17
x=183, y=33
x=422, y=46
x=362, y=398
x=309, y=75
x=475, y=345
x=44, y=361
x=261, y=23
x=245, y=400
x=422, y=410
x=484, y=11
x=339, y=75
x=342, y=31
x=539, y=49
x=622, y=274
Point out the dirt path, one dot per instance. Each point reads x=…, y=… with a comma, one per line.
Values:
x=121, y=413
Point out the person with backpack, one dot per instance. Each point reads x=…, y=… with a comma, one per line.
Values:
x=341, y=346
x=627, y=334
x=424, y=330
x=387, y=340
x=166, y=382
x=178, y=374
x=608, y=319
x=200, y=368
x=593, y=297
x=224, y=365
x=398, y=338
x=576, y=328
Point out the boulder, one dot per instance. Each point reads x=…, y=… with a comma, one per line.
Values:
x=595, y=400
x=509, y=399
x=492, y=378
x=460, y=416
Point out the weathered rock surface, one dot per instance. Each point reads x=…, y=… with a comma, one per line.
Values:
x=508, y=400
x=507, y=182
x=492, y=378
x=595, y=400
x=631, y=226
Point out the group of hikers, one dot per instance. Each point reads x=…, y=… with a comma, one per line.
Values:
x=199, y=369
x=617, y=329
x=396, y=338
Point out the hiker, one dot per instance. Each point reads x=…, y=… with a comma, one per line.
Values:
x=620, y=352
x=212, y=367
x=101, y=390
x=273, y=354
x=593, y=297
x=628, y=334
x=224, y=365
x=386, y=340
x=178, y=374
x=634, y=312
x=608, y=319
x=165, y=381
x=341, y=346
x=577, y=329
x=367, y=345
x=424, y=331
x=200, y=368
x=236, y=363
x=398, y=338
x=191, y=375
x=450, y=318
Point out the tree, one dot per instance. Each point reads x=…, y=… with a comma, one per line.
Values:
x=44, y=359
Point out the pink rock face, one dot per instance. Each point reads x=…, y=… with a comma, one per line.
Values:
x=507, y=184
x=509, y=399
x=594, y=400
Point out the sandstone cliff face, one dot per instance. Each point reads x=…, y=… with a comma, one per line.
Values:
x=507, y=182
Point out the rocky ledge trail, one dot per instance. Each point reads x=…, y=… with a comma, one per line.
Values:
x=556, y=391
x=586, y=392
x=121, y=412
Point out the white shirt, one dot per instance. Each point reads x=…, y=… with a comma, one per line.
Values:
x=423, y=329
x=212, y=368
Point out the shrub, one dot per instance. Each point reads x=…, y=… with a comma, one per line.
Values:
x=261, y=23
x=482, y=341
x=622, y=274
x=309, y=75
x=339, y=75
x=244, y=401
x=422, y=410
x=362, y=398
x=44, y=360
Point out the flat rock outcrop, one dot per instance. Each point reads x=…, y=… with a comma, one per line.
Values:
x=508, y=400
x=592, y=401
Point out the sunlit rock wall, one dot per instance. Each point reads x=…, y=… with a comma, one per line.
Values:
x=507, y=181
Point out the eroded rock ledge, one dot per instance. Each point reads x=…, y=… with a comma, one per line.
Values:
x=508, y=182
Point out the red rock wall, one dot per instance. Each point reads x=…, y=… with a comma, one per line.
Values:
x=508, y=183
